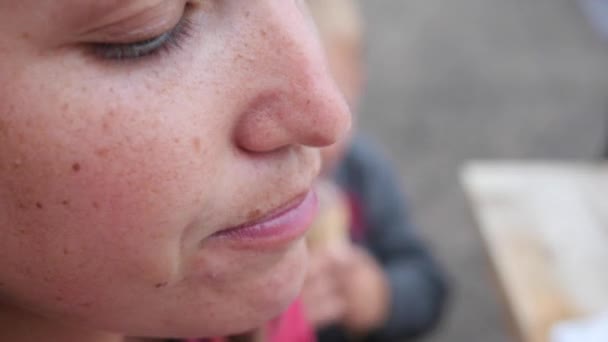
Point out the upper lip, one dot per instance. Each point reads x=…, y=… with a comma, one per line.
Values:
x=268, y=215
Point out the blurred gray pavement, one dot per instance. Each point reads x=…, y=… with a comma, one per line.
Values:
x=454, y=80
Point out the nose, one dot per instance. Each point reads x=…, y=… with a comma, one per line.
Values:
x=297, y=102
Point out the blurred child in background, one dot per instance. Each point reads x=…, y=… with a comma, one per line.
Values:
x=370, y=277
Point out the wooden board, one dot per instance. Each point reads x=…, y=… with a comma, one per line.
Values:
x=545, y=227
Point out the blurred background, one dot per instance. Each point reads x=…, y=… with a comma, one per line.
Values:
x=454, y=80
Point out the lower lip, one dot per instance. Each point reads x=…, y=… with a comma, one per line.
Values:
x=276, y=231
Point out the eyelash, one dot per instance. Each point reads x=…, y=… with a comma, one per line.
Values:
x=146, y=48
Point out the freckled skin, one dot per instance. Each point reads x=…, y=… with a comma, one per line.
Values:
x=105, y=212
x=102, y=152
x=196, y=143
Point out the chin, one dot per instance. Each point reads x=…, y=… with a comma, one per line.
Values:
x=284, y=283
x=270, y=293
x=258, y=290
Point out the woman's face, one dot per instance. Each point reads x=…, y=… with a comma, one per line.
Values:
x=131, y=133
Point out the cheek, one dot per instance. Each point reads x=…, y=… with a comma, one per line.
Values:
x=97, y=187
x=95, y=195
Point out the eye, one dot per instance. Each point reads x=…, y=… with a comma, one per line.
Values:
x=148, y=47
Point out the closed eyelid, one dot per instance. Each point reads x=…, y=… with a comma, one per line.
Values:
x=135, y=22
